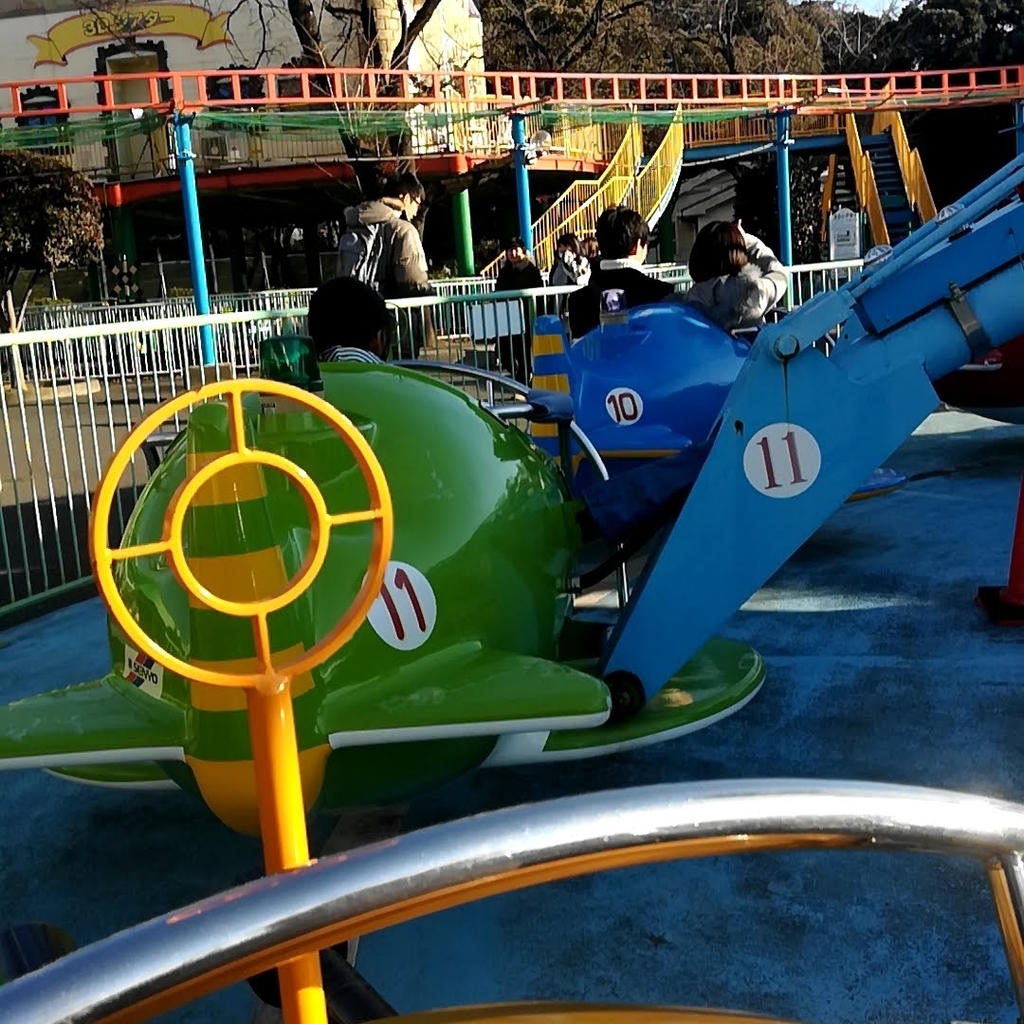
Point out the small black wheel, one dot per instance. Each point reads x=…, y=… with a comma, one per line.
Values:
x=628, y=695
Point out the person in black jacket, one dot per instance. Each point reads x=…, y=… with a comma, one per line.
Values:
x=623, y=237
x=517, y=274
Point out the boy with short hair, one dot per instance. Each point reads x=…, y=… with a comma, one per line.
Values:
x=348, y=321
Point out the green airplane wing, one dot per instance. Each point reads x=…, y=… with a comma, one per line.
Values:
x=464, y=691
x=107, y=721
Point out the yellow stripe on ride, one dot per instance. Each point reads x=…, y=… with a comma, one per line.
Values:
x=237, y=483
x=547, y=345
x=231, y=698
x=549, y=382
x=229, y=787
x=249, y=576
x=552, y=382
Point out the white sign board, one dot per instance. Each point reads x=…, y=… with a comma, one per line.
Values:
x=844, y=235
x=495, y=320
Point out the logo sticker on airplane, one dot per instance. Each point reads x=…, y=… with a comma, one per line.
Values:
x=782, y=460
x=142, y=671
x=405, y=612
x=624, y=406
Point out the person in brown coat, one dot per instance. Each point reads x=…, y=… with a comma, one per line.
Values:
x=382, y=248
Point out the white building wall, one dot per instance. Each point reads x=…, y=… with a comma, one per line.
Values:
x=36, y=47
x=687, y=227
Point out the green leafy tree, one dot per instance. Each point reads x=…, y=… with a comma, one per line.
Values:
x=700, y=36
x=737, y=37
x=942, y=34
x=937, y=35
x=49, y=217
x=757, y=204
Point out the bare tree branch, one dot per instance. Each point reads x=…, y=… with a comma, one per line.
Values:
x=411, y=33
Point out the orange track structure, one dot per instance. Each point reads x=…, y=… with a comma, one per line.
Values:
x=473, y=92
x=818, y=105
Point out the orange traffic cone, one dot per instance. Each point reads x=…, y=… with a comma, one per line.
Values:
x=1004, y=606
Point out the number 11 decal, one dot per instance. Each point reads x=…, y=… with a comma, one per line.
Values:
x=405, y=612
x=782, y=460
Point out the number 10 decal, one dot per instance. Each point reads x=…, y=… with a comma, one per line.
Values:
x=405, y=612
x=782, y=460
x=624, y=406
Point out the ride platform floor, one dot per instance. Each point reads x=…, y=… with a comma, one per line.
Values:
x=879, y=668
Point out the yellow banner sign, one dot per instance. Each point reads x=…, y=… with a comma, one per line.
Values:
x=205, y=27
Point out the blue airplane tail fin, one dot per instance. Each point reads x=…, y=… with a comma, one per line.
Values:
x=552, y=371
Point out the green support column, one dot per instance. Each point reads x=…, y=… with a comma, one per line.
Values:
x=463, y=234
x=667, y=237
x=124, y=266
x=95, y=285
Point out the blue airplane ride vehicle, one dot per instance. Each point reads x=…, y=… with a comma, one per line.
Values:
x=648, y=385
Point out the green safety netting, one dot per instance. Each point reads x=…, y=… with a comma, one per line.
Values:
x=79, y=131
x=382, y=120
x=356, y=121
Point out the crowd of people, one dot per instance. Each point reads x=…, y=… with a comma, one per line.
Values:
x=736, y=279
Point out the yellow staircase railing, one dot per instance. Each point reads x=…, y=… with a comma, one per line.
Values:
x=577, y=210
x=611, y=186
x=867, y=188
x=656, y=184
x=911, y=168
x=647, y=192
x=828, y=194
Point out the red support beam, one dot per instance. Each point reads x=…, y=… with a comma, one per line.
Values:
x=233, y=180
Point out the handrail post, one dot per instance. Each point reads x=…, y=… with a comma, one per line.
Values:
x=193, y=228
x=1006, y=877
x=522, y=178
x=782, y=143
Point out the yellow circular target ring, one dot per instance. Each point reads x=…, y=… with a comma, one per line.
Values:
x=380, y=513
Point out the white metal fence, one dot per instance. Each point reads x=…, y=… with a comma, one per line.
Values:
x=72, y=393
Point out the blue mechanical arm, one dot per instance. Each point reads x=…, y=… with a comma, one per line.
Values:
x=800, y=431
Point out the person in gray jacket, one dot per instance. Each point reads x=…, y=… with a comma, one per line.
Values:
x=381, y=246
x=382, y=249
x=736, y=278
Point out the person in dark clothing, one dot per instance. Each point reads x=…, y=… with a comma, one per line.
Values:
x=349, y=322
x=623, y=237
x=518, y=273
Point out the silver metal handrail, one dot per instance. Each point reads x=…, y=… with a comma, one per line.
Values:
x=572, y=836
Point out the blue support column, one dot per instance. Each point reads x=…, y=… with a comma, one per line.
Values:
x=1018, y=121
x=193, y=229
x=782, y=141
x=522, y=179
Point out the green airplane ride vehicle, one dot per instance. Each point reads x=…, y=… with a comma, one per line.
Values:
x=473, y=654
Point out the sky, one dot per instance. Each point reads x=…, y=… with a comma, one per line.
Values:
x=877, y=6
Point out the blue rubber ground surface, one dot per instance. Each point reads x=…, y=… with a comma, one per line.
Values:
x=880, y=668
